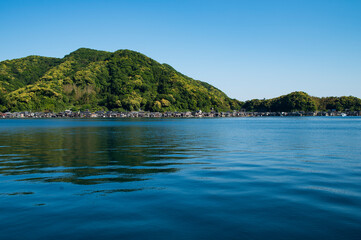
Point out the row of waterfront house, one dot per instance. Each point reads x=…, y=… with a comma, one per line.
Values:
x=144, y=114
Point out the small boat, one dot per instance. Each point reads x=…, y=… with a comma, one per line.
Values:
x=343, y=114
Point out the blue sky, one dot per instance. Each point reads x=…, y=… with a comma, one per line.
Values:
x=247, y=48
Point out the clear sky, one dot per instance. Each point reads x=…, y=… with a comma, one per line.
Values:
x=247, y=48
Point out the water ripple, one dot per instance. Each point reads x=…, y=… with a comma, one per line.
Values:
x=269, y=178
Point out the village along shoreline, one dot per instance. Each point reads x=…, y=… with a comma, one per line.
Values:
x=188, y=114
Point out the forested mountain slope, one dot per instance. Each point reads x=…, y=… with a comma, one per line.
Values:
x=91, y=79
x=126, y=80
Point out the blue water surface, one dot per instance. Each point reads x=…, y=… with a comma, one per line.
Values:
x=226, y=178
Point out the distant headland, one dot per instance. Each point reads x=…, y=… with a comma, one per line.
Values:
x=127, y=81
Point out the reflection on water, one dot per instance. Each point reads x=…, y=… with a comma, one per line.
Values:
x=274, y=178
x=90, y=155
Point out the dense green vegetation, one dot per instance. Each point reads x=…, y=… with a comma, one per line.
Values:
x=126, y=80
x=339, y=103
x=90, y=79
x=300, y=101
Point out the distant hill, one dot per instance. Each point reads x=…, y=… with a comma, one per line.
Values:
x=301, y=101
x=126, y=80
x=89, y=79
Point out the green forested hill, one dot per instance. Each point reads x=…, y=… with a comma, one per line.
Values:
x=18, y=73
x=126, y=80
x=301, y=101
x=91, y=79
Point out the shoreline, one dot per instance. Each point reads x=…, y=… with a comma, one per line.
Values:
x=196, y=114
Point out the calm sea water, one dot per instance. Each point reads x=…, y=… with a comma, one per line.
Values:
x=236, y=178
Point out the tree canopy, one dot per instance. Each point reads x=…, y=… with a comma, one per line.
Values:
x=126, y=80
x=301, y=101
x=89, y=79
